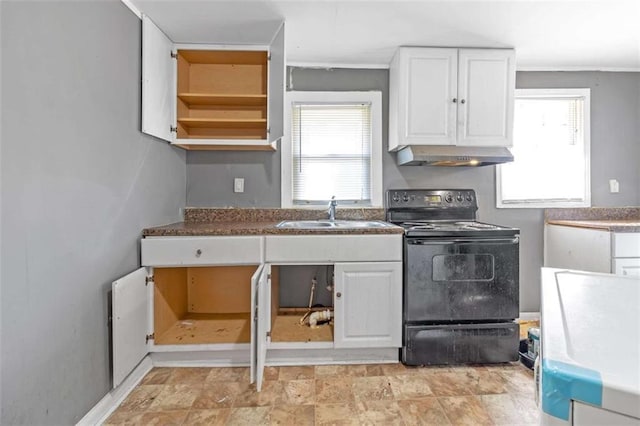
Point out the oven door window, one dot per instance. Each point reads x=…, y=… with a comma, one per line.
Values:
x=463, y=267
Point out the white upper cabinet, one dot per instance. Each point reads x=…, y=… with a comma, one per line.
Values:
x=445, y=96
x=212, y=97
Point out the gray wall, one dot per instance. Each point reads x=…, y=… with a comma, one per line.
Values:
x=79, y=182
x=615, y=153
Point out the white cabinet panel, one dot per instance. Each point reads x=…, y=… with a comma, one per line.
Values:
x=629, y=267
x=158, y=82
x=184, y=251
x=277, y=70
x=486, y=88
x=368, y=305
x=255, y=280
x=130, y=297
x=626, y=244
x=577, y=248
x=333, y=248
x=263, y=303
x=429, y=94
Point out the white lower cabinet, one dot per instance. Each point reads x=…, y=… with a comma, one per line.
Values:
x=593, y=250
x=192, y=309
x=368, y=305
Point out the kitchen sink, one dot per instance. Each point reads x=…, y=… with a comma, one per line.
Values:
x=325, y=224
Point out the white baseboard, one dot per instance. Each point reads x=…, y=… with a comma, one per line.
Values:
x=529, y=316
x=107, y=405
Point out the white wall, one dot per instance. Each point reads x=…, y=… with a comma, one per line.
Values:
x=79, y=183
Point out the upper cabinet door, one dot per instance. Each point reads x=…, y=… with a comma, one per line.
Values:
x=277, y=69
x=426, y=87
x=368, y=305
x=131, y=309
x=158, y=82
x=486, y=86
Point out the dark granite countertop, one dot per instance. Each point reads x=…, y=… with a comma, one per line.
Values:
x=237, y=221
x=614, y=219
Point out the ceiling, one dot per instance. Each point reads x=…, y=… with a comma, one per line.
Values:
x=547, y=34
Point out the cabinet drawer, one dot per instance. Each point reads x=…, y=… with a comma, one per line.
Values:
x=178, y=251
x=333, y=248
x=626, y=244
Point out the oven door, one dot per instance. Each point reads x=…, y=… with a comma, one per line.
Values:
x=461, y=279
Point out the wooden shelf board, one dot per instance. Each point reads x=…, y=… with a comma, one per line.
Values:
x=287, y=328
x=249, y=123
x=207, y=328
x=222, y=99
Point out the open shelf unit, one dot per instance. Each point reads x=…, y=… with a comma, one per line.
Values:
x=222, y=94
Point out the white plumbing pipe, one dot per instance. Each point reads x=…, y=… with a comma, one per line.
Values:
x=318, y=316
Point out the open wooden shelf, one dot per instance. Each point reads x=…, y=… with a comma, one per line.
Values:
x=222, y=95
x=208, y=99
x=229, y=123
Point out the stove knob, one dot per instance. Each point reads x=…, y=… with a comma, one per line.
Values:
x=469, y=197
x=405, y=198
x=448, y=198
x=395, y=198
x=459, y=197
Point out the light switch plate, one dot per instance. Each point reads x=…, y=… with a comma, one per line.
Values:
x=614, y=186
x=238, y=185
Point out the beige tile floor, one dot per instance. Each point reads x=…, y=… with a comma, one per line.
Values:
x=385, y=394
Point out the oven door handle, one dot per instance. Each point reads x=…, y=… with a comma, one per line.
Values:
x=441, y=241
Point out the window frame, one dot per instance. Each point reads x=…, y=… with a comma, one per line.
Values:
x=558, y=93
x=286, y=159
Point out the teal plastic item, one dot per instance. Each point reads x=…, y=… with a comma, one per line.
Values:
x=562, y=382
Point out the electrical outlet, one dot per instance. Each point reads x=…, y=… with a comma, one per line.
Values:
x=238, y=185
x=614, y=186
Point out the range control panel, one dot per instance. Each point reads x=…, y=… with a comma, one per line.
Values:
x=421, y=198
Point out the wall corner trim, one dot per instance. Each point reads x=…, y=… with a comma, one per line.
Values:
x=132, y=8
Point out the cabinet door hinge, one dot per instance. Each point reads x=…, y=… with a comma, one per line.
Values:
x=173, y=129
x=148, y=337
x=174, y=55
x=255, y=316
x=148, y=279
x=268, y=130
x=268, y=56
x=268, y=276
x=268, y=334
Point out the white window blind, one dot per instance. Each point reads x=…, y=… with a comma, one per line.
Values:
x=331, y=152
x=551, y=151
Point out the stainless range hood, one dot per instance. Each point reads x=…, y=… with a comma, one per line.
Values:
x=452, y=156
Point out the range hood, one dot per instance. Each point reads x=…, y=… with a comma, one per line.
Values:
x=452, y=156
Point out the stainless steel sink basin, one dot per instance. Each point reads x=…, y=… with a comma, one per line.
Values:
x=324, y=224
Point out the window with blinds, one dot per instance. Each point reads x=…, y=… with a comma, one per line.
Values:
x=551, y=151
x=331, y=152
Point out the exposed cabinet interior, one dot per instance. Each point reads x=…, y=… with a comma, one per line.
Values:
x=290, y=302
x=200, y=305
x=222, y=94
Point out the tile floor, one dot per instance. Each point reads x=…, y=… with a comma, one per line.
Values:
x=384, y=394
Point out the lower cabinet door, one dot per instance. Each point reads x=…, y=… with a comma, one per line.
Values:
x=368, y=305
x=131, y=310
x=629, y=267
x=260, y=322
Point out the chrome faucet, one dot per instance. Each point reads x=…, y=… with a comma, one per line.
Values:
x=332, y=209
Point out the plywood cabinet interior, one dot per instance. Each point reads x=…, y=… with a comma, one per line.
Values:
x=202, y=305
x=212, y=97
x=222, y=94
